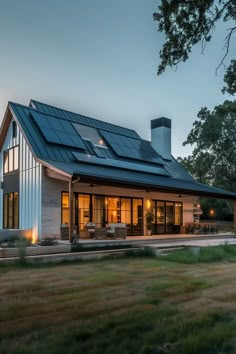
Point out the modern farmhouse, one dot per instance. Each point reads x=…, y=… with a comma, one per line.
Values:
x=63, y=171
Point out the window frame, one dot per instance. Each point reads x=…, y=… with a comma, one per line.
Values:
x=15, y=158
x=7, y=212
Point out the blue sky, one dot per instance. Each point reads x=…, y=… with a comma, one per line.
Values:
x=99, y=58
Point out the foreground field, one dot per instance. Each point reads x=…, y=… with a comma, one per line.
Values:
x=121, y=306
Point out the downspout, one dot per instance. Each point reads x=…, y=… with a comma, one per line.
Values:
x=71, y=212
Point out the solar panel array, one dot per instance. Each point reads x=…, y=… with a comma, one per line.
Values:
x=78, y=118
x=58, y=131
x=132, y=148
x=121, y=164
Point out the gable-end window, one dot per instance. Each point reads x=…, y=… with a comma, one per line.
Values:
x=11, y=210
x=11, y=160
x=14, y=129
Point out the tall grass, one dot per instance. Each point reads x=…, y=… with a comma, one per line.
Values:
x=203, y=254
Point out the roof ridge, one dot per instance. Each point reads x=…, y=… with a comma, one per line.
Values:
x=82, y=115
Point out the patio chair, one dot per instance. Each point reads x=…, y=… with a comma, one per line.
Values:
x=120, y=232
x=100, y=233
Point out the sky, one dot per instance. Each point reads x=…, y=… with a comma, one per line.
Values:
x=100, y=58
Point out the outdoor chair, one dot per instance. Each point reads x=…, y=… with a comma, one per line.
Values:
x=120, y=232
x=100, y=233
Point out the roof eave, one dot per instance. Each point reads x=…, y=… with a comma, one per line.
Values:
x=150, y=187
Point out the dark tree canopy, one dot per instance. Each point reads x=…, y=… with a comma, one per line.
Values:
x=230, y=79
x=213, y=160
x=213, y=135
x=188, y=22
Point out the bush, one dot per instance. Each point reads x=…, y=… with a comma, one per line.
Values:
x=48, y=242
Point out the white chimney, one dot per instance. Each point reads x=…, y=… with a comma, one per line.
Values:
x=161, y=136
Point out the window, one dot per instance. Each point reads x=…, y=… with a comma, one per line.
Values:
x=65, y=208
x=11, y=160
x=14, y=130
x=11, y=211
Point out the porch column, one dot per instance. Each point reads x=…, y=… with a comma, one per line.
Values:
x=71, y=192
x=235, y=216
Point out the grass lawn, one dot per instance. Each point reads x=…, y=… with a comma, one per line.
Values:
x=139, y=305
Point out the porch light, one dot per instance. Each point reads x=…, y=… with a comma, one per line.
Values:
x=212, y=212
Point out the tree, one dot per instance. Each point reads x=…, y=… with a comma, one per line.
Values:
x=230, y=79
x=188, y=22
x=213, y=160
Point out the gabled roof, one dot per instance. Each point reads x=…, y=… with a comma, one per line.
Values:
x=51, y=134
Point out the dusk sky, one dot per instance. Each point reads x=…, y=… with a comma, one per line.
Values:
x=99, y=58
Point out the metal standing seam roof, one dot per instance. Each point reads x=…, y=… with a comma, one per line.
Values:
x=78, y=118
x=62, y=158
x=173, y=167
x=140, y=179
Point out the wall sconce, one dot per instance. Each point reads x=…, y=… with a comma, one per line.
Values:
x=148, y=204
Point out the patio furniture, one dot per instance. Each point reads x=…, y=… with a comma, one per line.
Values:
x=100, y=233
x=117, y=230
x=120, y=232
x=64, y=231
x=90, y=227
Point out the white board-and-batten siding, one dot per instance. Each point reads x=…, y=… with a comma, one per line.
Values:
x=30, y=184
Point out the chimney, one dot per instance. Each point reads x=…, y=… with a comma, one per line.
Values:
x=161, y=136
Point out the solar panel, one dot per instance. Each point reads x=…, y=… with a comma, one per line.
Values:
x=58, y=131
x=136, y=149
x=120, y=164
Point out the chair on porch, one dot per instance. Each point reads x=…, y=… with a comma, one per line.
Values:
x=100, y=233
x=120, y=232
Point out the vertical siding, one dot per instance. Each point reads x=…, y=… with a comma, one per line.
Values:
x=30, y=189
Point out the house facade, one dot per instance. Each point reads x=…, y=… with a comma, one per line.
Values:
x=59, y=168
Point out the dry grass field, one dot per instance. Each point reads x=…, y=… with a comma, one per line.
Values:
x=129, y=305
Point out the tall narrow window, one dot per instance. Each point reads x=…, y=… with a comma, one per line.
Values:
x=5, y=211
x=11, y=210
x=65, y=208
x=14, y=129
x=11, y=160
x=6, y=169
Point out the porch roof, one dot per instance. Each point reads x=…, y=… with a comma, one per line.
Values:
x=139, y=180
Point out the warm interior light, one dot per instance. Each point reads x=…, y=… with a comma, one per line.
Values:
x=148, y=203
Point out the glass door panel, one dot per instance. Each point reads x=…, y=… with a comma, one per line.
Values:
x=99, y=210
x=113, y=210
x=83, y=210
x=160, y=217
x=137, y=217
x=178, y=213
x=125, y=213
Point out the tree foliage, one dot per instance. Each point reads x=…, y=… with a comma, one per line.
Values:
x=230, y=79
x=188, y=22
x=213, y=160
x=213, y=135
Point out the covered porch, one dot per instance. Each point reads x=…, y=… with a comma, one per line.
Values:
x=86, y=200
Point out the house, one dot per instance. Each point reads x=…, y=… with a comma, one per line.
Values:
x=60, y=168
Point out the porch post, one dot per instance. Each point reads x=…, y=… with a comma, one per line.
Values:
x=71, y=211
x=235, y=216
